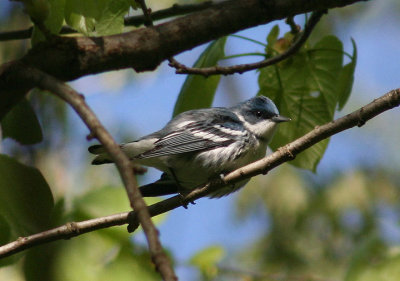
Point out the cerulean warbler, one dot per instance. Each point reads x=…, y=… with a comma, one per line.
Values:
x=200, y=145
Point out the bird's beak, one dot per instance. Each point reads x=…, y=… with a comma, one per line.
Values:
x=280, y=118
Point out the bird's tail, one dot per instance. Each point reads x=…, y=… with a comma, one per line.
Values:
x=101, y=155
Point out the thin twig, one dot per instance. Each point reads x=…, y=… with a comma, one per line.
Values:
x=77, y=102
x=294, y=28
x=16, y=34
x=240, y=68
x=175, y=10
x=148, y=21
x=284, y=154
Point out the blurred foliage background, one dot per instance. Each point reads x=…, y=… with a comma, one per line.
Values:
x=340, y=223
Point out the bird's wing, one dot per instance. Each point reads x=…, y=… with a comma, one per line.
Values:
x=195, y=136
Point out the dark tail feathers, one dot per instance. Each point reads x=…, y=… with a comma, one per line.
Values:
x=102, y=157
x=96, y=149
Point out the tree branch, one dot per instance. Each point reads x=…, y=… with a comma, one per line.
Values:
x=284, y=154
x=68, y=58
x=240, y=68
x=77, y=102
x=65, y=231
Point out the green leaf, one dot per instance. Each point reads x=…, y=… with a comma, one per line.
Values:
x=26, y=201
x=53, y=22
x=56, y=17
x=39, y=260
x=346, y=78
x=22, y=125
x=374, y=261
x=38, y=10
x=5, y=233
x=104, y=17
x=198, y=91
x=81, y=15
x=387, y=270
x=88, y=8
x=95, y=257
x=304, y=89
x=271, y=39
x=112, y=18
x=84, y=25
x=206, y=260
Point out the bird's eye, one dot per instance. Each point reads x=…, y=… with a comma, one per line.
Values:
x=258, y=114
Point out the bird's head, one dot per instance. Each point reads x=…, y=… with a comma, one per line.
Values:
x=260, y=116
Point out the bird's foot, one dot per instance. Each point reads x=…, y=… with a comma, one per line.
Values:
x=222, y=177
x=185, y=202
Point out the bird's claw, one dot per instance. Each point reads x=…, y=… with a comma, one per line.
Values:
x=222, y=177
x=185, y=202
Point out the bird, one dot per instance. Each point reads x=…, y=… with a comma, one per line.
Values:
x=200, y=145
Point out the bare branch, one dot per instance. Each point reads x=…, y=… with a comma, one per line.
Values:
x=284, y=154
x=77, y=102
x=241, y=68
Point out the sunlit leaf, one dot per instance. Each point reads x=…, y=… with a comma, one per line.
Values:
x=88, y=9
x=112, y=18
x=198, y=91
x=272, y=37
x=304, y=89
x=101, y=16
x=346, y=78
x=26, y=201
x=84, y=25
x=22, y=125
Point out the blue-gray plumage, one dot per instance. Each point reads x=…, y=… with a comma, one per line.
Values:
x=199, y=145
